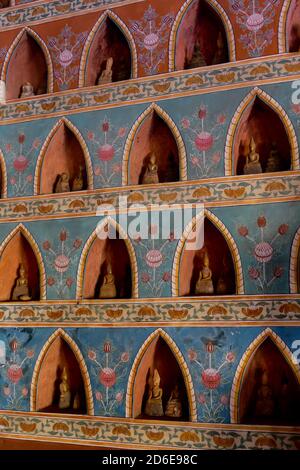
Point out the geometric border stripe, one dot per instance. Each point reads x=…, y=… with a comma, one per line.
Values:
x=239, y=278
x=173, y=128
x=43, y=151
x=183, y=367
x=123, y=28
x=81, y=362
x=223, y=17
x=246, y=358
x=132, y=256
x=283, y=45
x=25, y=232
x=294, y=266
x=44, y=48
x=269, y=101
x=3, y=176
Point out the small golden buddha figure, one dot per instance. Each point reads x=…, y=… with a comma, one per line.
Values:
x=265, y=403
x=106, y=75
x=205, y=284
x=151, y=173
x=63, y=184
x=78, y=181
x=21, y=290
x=197, y=59
x=27, y=90
x=274, y=160
x=220, y=55
x=252, y=165
x=65, y=392
x=174, y=405
x=154, y=405
x=108, y=289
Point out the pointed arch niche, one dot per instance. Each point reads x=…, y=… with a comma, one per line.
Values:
x=295, y=265
x=266, y=386
x=5, y=3
x=201, y=35
x=114, y=249
x=110, y=37
x=19, y=248
x=154, y=131
x=224, y=260
x=289, y=27
x=160, y=352
x=64, y=151
x=261, y=117
x=28, y=60
x=60, y=351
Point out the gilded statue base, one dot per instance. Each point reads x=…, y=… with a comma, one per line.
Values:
x=204, y=287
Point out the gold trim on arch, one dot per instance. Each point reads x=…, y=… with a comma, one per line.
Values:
x=133, y=261
x=75, y=131
x=173, y=128
x=239, y=279
x=223, y=17
x=83, y=368
x=183, y=367
x=44, y=48
x=3, y=177
x=124, y=29
x=25, y=232
x=268, y=100
x=246, y=358
x=283, y=45
x=294, y=264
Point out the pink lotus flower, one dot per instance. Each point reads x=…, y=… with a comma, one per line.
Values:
x=261, y=221
x=77, y=243
x=204, y=141
x=230, y=357
x=92, y=355
x=283, y=229
x=50, y=281
x=69, y=282
x=62, y=263
x=29, y=178
x=145, y=277
x=243, y=231
x=254, y=273
x=185, y=123
x=97, y=170
x=107, y=377
x=36, y=143
x=202, y=112
x=125, y=356
x=216, y=157
x=13, y=180
x=192, y=355
x=166, y=277
x=106, y=152
x=154, y=258
x=221, y=118
x=98, y=396
x=119, y=397
x=14, y=373
x=105, y=126
x=30, y=353
x=121, y=132
x=20, y=163
x=195, y=160
x=46, y=245
x=263, y=252
x=211, y=378
x=90, y=135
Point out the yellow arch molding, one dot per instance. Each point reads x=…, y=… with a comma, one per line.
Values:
x=88, y=162
x=86, y=50
x=85, y=375
x=252, y=348
x=283, y=45
x=172, y=126
x=183, y=367
x=267, y=99
x=225, y=20
x=133, y=261
x=294, y=266
x=23, y=230
x=44, y=48
x=3, y=177
x=239, y=279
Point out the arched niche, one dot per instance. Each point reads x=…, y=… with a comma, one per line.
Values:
x=108, y=38
x=200, y=35
x=261, y=122
x=64, y=151
x=154, y=132
x=5, y=3
x=161, y=353
x=60, y=352
x=20, y=248
x=269, y=390
x=295, y=265
x=28, y=60
x=111, y=248
x=221, y=264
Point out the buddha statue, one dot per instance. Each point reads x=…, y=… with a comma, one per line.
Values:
x=63, y=184
x=151, y=173
x=252, y=165
x=154, y=405
x=27, y=90
x=265, y=403
x=220, y=55
x=21, y=290
x=197, y=59
x=274, y=160
x=65, y=392
x=205, y=284
x=174, y=405
x=108, y=289
x=77, y=184
x=106, y=75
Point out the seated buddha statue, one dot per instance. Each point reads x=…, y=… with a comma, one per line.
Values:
x=27, y=90
x=77, y=184
x=63, y=184
x=265, y=403
x=21, y=290
x=64, y=391
x=108, y=289
x=106, y=75
x=151, y=173
x=174, y=405
x=252, y=165
x=154, y=406
x=205, y=284
x=274, y=159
